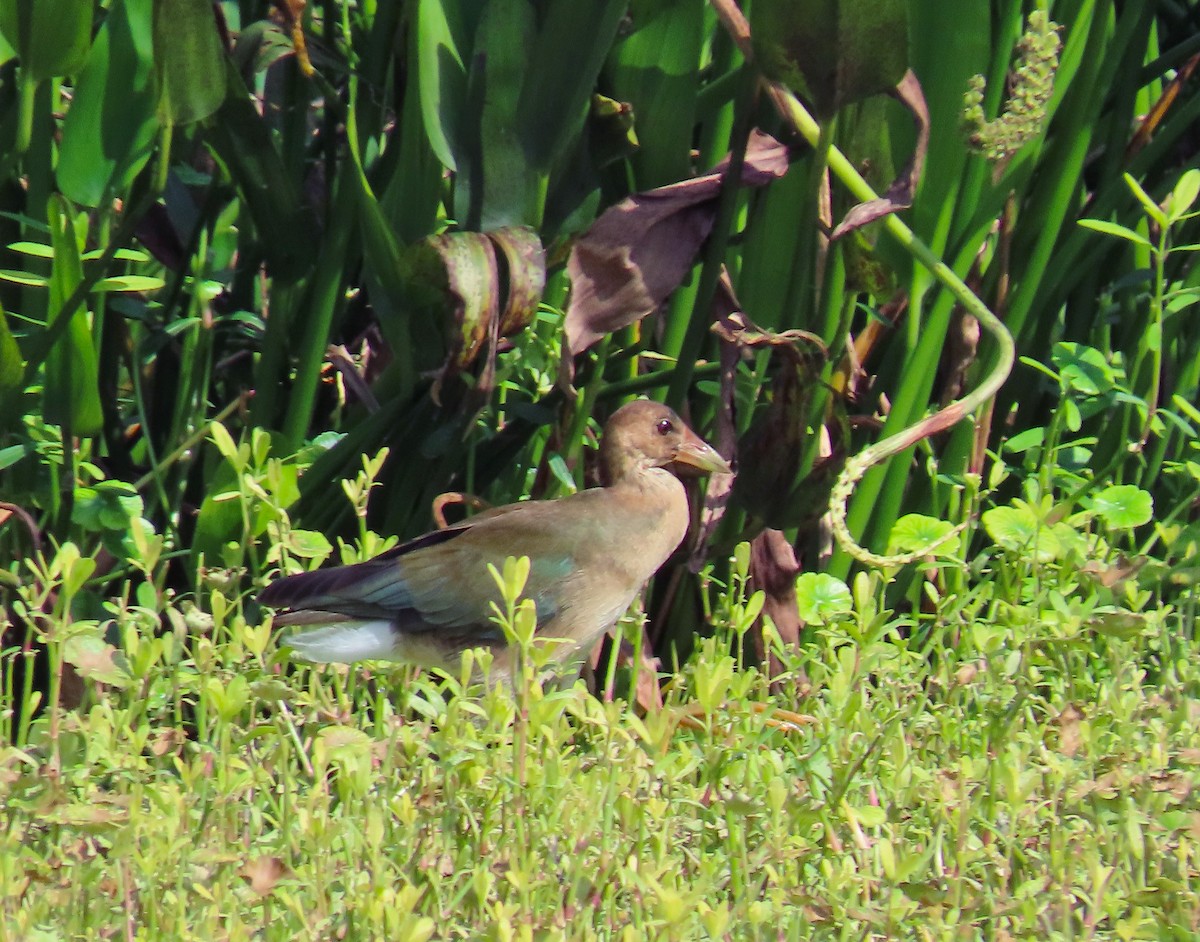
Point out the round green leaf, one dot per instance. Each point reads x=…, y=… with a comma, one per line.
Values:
x=914, y=532
x=822, y=597
x=344, y=742
x=96, y=659
x=1082, y=368
x=1123, y=506
x=1016, y=530
x=309, y=544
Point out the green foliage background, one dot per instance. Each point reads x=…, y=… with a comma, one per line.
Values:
x=280, y=210
x=260, y=256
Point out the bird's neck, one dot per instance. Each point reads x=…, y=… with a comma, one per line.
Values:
x=646, y=483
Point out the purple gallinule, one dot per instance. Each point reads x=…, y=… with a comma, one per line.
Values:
x=428, y=600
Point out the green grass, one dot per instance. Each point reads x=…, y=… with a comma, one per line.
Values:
x=1019, y=762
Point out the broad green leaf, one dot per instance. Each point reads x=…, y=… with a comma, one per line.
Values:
x=1114, y=229
x=13, y=453
x=656, y=69
x=219, y=520
x=225, y=444
x=1083, y=368
x=833, y=52
x=342, y=743
x=1071, y=415
x=108, y=505
x=1123, y=506
x=871, y=816
x=442, y=34
x=1178, y=300
x=1153, y=210
x=914, y=532
x=411, y=199
x=229, y=697
x=50, y=37
x=260, y=45
x=1069, y=540
x=822, y=597
x=129, y=283
x=29, y=279
x=558, y=467
x=1017, y=530
x=241, y=139
x=1118, y=623
x=498, y=187
x=32, y=249
x=272, y=689
x=381, y=247
x=1023, y=441
x=109, y=130
x=72, y=394
x=121, y=255
x=308, y=544
x=558, y=87
x=12, y=366
x=189, y=61
x=1184, y=194
x=97, y=660
x=1186, y=408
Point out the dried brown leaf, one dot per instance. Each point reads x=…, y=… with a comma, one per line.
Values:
x=1070, y=736
x=773, y=569
x=466, y=271
x=639, y=251
x=96, y=659
x=263, y=873
x=770, y=452
x=900, y=193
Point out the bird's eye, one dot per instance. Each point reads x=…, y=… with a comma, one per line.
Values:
x=665, y=427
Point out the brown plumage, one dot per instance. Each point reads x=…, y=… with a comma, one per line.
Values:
x=590, y=554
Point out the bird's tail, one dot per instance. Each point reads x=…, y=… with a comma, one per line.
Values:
x=346, y=642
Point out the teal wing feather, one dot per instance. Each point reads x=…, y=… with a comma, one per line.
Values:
x=438, y=581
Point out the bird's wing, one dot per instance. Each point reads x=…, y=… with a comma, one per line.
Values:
x=362, y=590
x=440, y=580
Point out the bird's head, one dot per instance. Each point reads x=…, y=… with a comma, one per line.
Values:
x=646, y=434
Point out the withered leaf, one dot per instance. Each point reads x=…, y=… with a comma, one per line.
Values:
x=769, y=453
x=523, y=265
x=900, y=193
x=263, y=872
x=472, y=292
x=1070, y=733
x=488, y=284
x=639, y=251
x=96, y=659
x=773, y=569
x=832, y=52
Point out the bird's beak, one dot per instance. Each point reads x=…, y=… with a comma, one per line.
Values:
x=698, y=453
